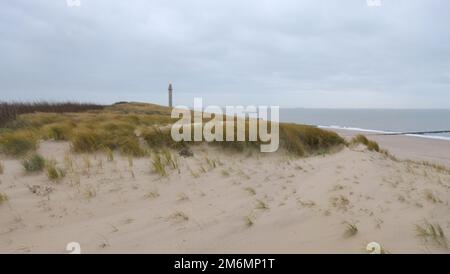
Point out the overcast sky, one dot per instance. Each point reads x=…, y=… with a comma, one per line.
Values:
x=318, y=53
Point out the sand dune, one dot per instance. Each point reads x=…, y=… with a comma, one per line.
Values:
x=223, y=202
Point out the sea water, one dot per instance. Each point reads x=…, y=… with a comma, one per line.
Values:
x=374, y=120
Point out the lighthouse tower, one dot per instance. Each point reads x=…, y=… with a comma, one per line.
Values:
x=170, y=95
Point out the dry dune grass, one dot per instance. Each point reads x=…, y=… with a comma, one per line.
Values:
x=122, y=127
x=432, y=233
x=361, y=139
x=113, y=127
x=54, y=173
x=9, y=111
x=18, y=143
x=350, y=230
x=305, y=140
x=3, y=198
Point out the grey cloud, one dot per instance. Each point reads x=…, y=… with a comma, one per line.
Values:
x=324, y=53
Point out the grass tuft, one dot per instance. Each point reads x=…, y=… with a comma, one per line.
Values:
x=211, y=163
x=432, y=232
x=169, y=159
x=182, y=197
x=151, y=195
x=225, y=173
x=261, y=205
x=33, y=163
x=109, y=154
x=340, y=202
x=250, y=190
x=54, y=173
x=350, y=230
x=249, y=222
x=3, y=198
x=158, y=165
x=163, y=160
x=360, y=139
x=179, y=216
x=371, y=145
x=89, y=192
x=430, y=196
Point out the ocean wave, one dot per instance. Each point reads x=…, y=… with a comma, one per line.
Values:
x=385, y=132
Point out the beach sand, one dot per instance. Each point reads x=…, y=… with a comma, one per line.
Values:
x=408, y=147
x=227, y=202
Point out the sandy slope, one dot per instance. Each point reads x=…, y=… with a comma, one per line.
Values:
x=408, y=147
x=203, y=208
